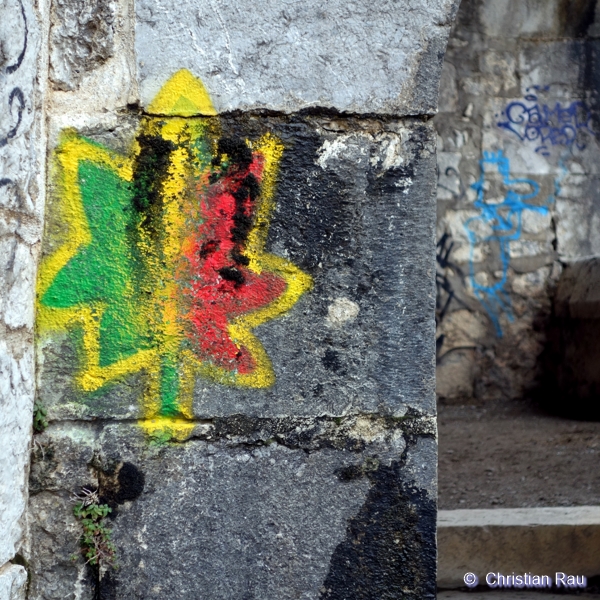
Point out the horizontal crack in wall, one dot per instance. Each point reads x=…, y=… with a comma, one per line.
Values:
x=315, y=111
x=352, y=432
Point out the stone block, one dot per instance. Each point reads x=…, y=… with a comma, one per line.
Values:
x=539, y=541
x=456, y=373
x=81, y=38
x=530, y=19
x=573, y=221
x=13, y=582
x=354, y=58
x=533, y=284
x=272, y=509
x=559, y=62
x=351, y=226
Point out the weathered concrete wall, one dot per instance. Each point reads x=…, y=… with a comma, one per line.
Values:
x=235, y=302
x=517, y=186
x=21, y=207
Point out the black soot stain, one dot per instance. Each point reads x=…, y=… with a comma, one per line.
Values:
x=125, y=484
x=331, y=361
x=106, y=588
x=389, y=549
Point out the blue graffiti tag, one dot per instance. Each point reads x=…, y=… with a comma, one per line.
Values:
x=504, y=219
x=559, y=126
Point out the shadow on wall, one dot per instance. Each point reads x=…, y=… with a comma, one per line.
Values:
x=570, y=362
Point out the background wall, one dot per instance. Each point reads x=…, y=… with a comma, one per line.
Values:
x=518, y=192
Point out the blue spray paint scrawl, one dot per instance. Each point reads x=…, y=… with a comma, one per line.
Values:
x=559, y=126
x=505, y=221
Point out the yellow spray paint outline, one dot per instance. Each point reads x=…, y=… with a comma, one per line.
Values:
x=72, y=151
x=177, y=99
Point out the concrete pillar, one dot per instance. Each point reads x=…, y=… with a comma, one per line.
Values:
x=235, y=301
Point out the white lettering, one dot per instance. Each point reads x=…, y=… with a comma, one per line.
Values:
x=581, y=581
x=527, y=580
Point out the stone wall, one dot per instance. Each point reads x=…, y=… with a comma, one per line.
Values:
x=234, y=324
x=21, y=210
x=518, y=195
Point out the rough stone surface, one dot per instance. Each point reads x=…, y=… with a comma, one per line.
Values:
x=293, y=490
x=358, y=58
x=13, y=582
x=352, y=210
x=92, y=65
x=298, y=510
x=235, y=311
x=81, y=38
x=517, y=186
x=20, y=204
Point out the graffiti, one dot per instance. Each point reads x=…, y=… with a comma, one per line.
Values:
x=499, y=223
x=458, y=190
x=16, y=95
x=533, y=121
x=163, y=268
x=446, y=293
x=12, y=68
x=444, y=290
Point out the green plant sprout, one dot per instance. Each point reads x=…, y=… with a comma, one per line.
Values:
x=96, y=545
x=40, y=422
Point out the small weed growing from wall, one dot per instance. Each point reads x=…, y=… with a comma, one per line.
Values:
x=40, y=422
x=96, y=545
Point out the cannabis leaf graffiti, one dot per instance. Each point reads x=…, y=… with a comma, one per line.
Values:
x=160, y=266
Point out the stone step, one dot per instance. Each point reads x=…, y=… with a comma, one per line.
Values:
x=536, y=541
